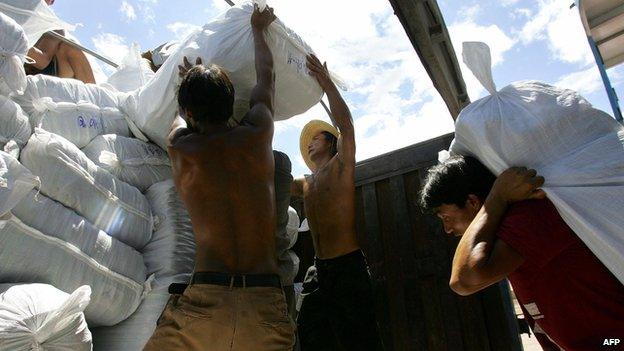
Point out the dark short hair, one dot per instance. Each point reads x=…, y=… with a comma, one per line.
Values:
x=333, y=141
x=208, y=94
x=451, y=181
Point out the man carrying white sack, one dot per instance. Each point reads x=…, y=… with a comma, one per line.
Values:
x=234, y=300
x=337, y=312
x=510, y=230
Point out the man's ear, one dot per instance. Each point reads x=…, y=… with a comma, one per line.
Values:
x=473, y=203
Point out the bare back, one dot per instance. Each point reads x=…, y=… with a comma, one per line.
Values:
x=329, y=200
x=226, y=182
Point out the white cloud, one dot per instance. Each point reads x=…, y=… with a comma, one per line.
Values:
x=561, y=27
x=182, y=29
x=588, y=81
x=127, y=11
x=508, y=3
x=112, y=46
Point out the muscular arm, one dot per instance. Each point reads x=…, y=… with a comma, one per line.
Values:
x=44, y=51
x=261, y=101
x=340, y=113
x=480, y=259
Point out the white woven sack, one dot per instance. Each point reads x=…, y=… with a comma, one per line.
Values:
x=15, y=182
x=69, y=177
x=133, y=333
x=13, y=49
x=133, y=73
x=134, y=161
x=14, y=126
x=41, y=317
x=29, y=255
x=228, y=42
x=170, y=254
x=577, y=148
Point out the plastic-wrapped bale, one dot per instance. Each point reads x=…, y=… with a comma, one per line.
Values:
x=577, y=148
x=57, y=221
x=29, y=255
x=13, y=49
x=14, y=126
x=133, y=333
x=170, y=254
x=16, y=181
x=134, y=161
x=228, y=42
x=77, y=111
x=133, y=72
x=68, y=176
x=41, y=317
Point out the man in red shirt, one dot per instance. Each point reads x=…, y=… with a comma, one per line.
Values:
x=510, y=230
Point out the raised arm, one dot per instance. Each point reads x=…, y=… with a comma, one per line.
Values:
x=44, y=51
x=261, y=101
x=340, y=114
x=481, y=260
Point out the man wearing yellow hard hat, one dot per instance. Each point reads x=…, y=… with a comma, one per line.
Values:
x=337, y=312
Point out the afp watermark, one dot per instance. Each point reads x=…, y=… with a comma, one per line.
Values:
x=611, y=342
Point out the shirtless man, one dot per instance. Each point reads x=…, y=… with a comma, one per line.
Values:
x=56, y=58
x=224, y=176
x=338, y=313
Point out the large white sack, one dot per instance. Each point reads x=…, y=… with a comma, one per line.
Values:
x=133, y=333
x=133, y=73
x=41, y=317
x=35, y=16
x=75, y=110
x=287, y=260
x=15, y=182
x=29, y=255
x=55, y=220
x=13, y=50
x=14, y=126
x=228, y=42
x=170, y=254
x=69, y=177
x=134, y=161
x=578, y=149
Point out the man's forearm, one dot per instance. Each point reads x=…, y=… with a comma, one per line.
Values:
x=340, y=113
x=263, y=59
x=476, y=245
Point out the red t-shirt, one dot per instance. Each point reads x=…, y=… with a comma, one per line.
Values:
x=569, y=293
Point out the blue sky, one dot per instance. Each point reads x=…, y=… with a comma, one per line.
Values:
x=392, y=100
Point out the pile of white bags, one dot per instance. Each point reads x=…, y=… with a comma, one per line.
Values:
x=41, y=317
x=14, y=127
x=13, y=50
x=131, y=160
x=133, y=73
x=29, y=255
x=577, y=148
x=69, y=177
x=228, y=42
x=72, y=109
x=15, y=182
x=170, y=256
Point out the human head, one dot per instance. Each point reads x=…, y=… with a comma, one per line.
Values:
x=455, y=191
x=206, y=96
x=319, y=141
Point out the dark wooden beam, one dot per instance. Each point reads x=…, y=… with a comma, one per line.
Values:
x=425, y=27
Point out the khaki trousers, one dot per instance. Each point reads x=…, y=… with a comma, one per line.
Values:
x=215, y=318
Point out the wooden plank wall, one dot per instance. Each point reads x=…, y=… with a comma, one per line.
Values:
x=410, y=259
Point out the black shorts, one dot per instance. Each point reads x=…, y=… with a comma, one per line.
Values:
x=337, y=312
